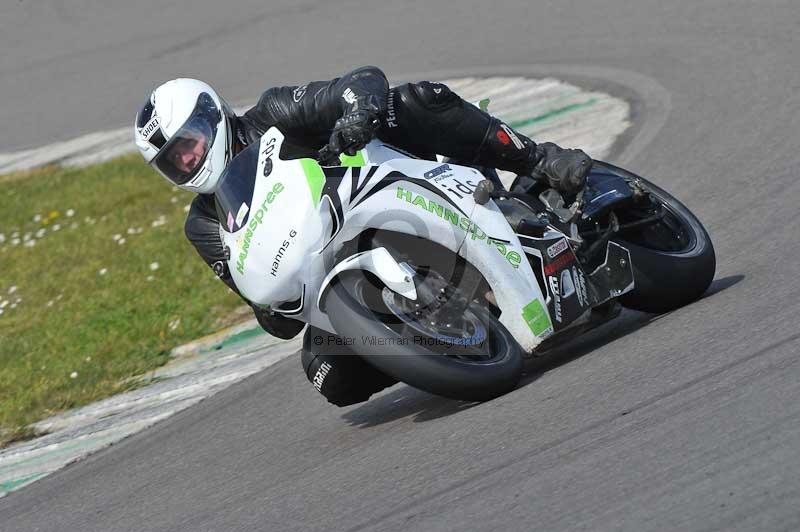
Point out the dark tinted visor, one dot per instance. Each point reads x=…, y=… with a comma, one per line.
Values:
x=184, y=154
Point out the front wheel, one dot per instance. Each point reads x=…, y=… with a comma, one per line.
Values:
x=673, y=258
x=470, y=357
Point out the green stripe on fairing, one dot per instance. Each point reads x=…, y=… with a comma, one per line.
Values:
x=315, y=178
x=355, y=160
x=9, y=485
x=551, y=114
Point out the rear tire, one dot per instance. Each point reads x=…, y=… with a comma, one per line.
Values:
x=351, y=307
x=667, y=279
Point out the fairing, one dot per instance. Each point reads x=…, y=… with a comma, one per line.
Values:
x=283, y=241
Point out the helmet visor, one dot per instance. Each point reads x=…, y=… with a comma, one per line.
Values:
x=182, y=157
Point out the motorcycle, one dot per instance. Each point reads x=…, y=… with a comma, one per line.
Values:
x=438, y=279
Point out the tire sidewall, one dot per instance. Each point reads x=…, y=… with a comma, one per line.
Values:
x=415, y=363
x=664, y=281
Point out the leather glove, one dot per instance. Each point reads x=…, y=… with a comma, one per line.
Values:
x=356, y=128
x=564, y=170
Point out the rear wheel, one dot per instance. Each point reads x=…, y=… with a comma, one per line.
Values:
x=673, y=257
x=468, y=355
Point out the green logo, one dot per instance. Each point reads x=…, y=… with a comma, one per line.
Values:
x=462, y=222
x=255, y=221
x=536, y=317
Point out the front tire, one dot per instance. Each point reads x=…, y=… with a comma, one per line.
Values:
x=355, y=309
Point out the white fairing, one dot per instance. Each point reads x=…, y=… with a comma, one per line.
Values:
x=505, y=268
x=397, y=277
x=285, y=251
x=269, y=253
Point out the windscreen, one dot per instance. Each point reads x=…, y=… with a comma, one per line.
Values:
x=235, y=192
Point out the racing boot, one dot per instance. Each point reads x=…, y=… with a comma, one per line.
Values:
x=564, y=170
x=505, y=149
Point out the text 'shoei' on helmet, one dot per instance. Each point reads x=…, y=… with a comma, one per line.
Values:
x=182, y=156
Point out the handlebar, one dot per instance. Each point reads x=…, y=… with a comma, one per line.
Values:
x=328, y=157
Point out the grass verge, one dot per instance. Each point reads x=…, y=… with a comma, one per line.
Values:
x=97, y=285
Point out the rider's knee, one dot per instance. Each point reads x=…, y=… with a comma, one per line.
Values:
x=336, y=372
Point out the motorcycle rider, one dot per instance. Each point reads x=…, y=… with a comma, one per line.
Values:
x=188, y=133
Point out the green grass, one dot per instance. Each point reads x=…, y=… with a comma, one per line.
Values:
x=73, y=335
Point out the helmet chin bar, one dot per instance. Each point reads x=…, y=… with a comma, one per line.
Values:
x=202, y=177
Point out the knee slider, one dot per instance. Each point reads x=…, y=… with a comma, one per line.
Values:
x=342, y=377
x=337, y=377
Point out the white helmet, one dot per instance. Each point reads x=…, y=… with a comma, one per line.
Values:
x=185, y=131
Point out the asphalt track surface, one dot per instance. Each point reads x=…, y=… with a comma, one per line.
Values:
x=684, y=422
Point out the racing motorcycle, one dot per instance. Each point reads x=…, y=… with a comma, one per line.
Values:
x=437, y=278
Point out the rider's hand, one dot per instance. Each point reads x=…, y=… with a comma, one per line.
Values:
x=355, y=129
x=564, y=170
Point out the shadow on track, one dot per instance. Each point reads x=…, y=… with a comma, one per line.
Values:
x=718, y=285
x=401, y=402
x=626, y=323
x=406, y=401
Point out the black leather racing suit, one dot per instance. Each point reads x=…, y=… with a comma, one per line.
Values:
x=422, y=118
